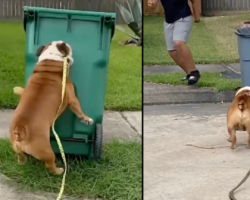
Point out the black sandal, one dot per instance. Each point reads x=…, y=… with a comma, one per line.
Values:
x=185, y=78
x=194, y=77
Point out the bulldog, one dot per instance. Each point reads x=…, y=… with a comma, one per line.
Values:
x=38, y=105
x=238, y=115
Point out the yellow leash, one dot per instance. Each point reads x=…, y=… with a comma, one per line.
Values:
x=65, y=68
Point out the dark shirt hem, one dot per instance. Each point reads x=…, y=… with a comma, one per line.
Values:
x=171, y=22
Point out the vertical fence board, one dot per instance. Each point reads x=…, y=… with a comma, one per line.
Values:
x=220, y=7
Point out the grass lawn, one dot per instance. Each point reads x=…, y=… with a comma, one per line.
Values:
x=208, y=80
x=124, y=78
x=212, y=40
x=117, y=177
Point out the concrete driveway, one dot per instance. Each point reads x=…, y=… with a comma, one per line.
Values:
x=175, y=171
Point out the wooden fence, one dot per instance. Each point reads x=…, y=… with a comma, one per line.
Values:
x=148, y=9
x=13, y=9
x=208, y=7
x=224, y=7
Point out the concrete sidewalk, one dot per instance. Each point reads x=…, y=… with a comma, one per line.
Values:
x=234, y=67
x=118, y=125
x=155, y=94
x=173, y=170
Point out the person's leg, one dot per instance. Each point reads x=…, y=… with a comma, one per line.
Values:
x=184, y=57
x=181, y=32
x=168, y=32
x=174, y=55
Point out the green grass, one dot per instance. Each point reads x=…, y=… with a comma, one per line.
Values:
x=124, y=78
x=117, y=177
x=211, y=41
x=208, y=80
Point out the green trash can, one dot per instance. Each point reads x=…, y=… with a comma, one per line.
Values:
x=89, y=34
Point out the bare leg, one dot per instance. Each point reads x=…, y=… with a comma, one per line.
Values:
x=183, y=57
x=173, y=54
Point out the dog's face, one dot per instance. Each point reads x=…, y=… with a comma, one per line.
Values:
x=55, y=50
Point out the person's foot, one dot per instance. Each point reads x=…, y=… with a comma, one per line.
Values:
x=186, y=78
x=194, y=77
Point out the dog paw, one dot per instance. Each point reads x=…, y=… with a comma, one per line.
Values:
x=229, y=139
x=248, y=146
x=233, y=147
x=59, y=171
x=88, y=121
x=22, y=160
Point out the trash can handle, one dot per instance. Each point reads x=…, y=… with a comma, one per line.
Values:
x=243, y=32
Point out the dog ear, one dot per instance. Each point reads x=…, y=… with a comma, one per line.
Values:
x=39, y=51
x=63, y=48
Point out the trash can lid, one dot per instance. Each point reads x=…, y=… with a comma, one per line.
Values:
x=243, y=32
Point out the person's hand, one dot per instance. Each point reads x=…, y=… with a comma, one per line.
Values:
x=197, y=20
x=152, y=3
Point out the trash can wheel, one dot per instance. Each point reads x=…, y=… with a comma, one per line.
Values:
x=98, y=142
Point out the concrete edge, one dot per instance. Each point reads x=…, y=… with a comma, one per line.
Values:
x=131, y=126
x=191, y=98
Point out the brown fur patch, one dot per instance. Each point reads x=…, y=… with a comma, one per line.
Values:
x=63, y=48
x=41, y=49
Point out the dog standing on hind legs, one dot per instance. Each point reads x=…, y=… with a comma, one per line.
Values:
x=238, y=116
x=38, y=105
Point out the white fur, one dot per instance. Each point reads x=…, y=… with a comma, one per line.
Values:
x=89, y=121
x=243, y=89
x=52, y=53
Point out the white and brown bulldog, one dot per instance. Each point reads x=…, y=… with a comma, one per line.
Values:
x=238, y=115
x=38, y=105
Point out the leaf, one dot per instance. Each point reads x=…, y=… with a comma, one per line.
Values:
x=137, y=12
x=129, y=8
x=134, y=27
x=124, y=31
x=127, y=16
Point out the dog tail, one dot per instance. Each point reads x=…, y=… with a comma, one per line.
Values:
x=242, y=103
x=19, y=133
